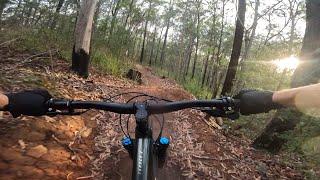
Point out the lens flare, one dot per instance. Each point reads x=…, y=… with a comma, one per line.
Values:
x=289, y=63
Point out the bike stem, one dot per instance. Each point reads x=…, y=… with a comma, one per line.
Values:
x=142, y=116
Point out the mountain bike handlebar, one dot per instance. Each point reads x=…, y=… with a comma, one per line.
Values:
x=122, y=108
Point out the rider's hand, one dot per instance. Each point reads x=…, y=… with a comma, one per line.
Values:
x=255, y=101
x=30, y=103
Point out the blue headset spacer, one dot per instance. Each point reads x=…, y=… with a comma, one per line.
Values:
x=126, y=141
x=164, y=140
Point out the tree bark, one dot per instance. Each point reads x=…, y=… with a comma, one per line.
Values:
x=252, y=34
x=205, y=68
x=144, y=41
x=197, y=37
x=306, y=73
x=236, y=49
x=153, y=44
x=163, y=50
x=145, y=33
x=216, y=63
x=158, y=47
x=114, y=13
x=188, y=56
x=82, y=34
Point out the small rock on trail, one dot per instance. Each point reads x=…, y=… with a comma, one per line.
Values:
x=37, y=151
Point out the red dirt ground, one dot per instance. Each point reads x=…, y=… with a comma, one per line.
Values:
x=88, y=146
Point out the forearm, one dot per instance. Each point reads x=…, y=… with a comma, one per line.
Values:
x=302, y=97
x=3, y=101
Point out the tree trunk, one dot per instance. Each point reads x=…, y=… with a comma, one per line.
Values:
x=129, y=13
x=144, y=41
x=97, y=15
x=114, y=13
x=236, y=49
x=153, y=44
x=306, y=73
x=206, y=75
x=82, y=34
x=205, y=68
x=215, y=65
x=145, y=33
x=188, y=56
x=252, y=34
x=158, y=47
x=163, y=50
x=197, y=36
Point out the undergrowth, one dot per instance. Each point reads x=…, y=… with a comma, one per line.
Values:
x=189, y=84
x=42, y=40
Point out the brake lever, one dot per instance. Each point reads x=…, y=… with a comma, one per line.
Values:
x=230, y=112
x=233, y=115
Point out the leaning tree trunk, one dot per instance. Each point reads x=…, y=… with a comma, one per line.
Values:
x=307, y=73
x=236, y=50
x=82, y=35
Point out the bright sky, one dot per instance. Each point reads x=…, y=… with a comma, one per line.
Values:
x=231, y=9
x=262, y=23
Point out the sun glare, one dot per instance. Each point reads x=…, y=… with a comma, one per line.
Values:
x=289, y=63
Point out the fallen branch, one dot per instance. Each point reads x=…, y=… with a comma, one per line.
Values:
x=8, y=42
x=38, y=55
x=211, y=123
x=29, y=59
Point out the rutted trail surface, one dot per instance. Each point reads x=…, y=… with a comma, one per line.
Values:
x=88, y=146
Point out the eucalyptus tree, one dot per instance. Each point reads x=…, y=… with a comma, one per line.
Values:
x=82, y=36
x=164, y=46
x=198, y=14
x=236, y=50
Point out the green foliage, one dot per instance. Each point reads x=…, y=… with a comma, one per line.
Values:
x=193, y=86
x=109, y=64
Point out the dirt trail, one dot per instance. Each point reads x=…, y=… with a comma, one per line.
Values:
x=88, y=146
x=196, y=150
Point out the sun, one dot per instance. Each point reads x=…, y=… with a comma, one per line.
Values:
x=289, y=63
